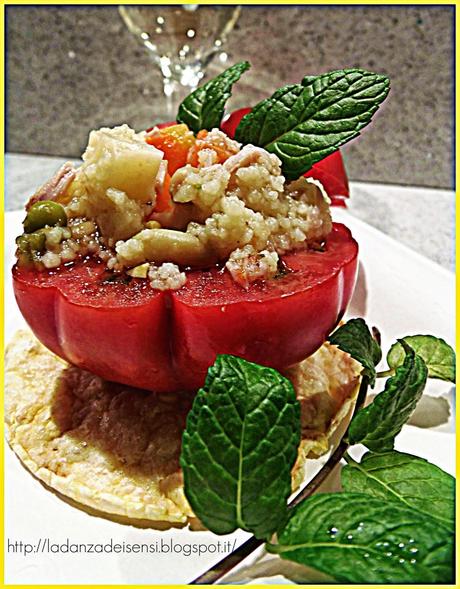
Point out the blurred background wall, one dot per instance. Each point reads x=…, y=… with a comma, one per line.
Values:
x=70, y=69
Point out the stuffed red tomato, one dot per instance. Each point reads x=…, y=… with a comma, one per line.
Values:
x=170, y=246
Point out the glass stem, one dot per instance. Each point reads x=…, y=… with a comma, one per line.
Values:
x=175, y=92
x=178, y=82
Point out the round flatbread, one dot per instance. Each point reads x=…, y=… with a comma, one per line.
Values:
x=116, y=449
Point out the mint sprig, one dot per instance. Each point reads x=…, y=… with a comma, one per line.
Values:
x=204, y=107
x=394, y=522
x=355, y=338
x=436, y=353
x=304, y=123
x=377, y=425
x=239, y=446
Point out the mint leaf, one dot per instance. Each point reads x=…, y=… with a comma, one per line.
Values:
x=272, y=117
x=204, y=107
x=411, y=481
x=361, y=539
x=239, y=446
x=304, y=123
x=376, y=425
x=437, y=354
x=355, y=338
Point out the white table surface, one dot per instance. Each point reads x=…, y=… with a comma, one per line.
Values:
x=421, y=218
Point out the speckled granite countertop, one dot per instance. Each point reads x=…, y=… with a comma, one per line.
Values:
x=421, y=218
x=74, y=68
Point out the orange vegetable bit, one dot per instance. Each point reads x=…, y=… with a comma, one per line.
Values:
x=175, y=142
x=164, y=201
x=222, y=151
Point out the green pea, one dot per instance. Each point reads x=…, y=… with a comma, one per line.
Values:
x=37, y=241
x=31, y=242
x=42, y=213
x=23, y=242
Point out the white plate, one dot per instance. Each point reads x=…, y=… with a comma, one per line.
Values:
x=399, y=291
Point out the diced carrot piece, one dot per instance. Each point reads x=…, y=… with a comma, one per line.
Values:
x=164, y=200
x=220, y=149
x=174, y=142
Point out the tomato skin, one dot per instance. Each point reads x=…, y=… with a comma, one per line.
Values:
x=165, y=341
x=37, y=306
x=231, y=121
x=330, y=171
x=121, y=338
x=135, y=349
x=266, y=325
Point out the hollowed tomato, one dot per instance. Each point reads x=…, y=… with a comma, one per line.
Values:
x=127, y=332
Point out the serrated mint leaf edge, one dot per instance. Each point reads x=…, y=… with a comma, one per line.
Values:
x=374, y=349
x=384, y=79
x=364, y=412
x=283, y=549
x=394, y=358
x=291, y=170
x=353, y=464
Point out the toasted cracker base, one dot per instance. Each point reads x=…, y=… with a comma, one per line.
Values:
x=116, y=449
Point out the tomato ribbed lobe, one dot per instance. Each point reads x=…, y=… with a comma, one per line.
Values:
x=165, y=341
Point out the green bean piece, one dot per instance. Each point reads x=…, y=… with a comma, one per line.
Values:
x=42, y=213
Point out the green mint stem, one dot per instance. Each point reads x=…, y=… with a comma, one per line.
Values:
x=348, y=459
x=385, y=373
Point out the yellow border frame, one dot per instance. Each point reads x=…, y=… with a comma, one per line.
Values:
x=4, y=3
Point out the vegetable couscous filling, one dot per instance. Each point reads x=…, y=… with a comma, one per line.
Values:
x=157, y=203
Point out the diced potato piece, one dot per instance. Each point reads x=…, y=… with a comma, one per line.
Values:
x=117, y=216
x=164, y=245
x=121, y=159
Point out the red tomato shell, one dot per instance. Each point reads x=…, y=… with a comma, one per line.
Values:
x=166, y=341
